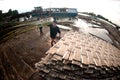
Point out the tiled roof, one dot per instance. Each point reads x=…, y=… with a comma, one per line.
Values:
x=80, y=56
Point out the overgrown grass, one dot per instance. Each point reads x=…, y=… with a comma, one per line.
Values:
x=46, y=23
x=13, y=33
x=6, y=25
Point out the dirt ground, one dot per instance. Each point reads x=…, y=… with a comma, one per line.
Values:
x=31, y=46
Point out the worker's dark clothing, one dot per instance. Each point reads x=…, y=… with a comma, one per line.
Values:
x=40, y=28
x=54, y=31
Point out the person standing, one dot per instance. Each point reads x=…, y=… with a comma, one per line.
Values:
x=40, y=28
x=54, y=29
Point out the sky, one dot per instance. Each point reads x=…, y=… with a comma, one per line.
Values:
x=108, y=8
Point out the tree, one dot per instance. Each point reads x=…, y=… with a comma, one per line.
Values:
x=15, y=12
x=99, y=16
x=0, y=12
x=92, y=14
x=10, y=12
x=0, y=15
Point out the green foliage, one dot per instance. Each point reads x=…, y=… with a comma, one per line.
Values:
x=7, y=25
x=0, y=12
x=6, y=16
x=92, y=14
x=46, y=23
x=0, y=15
x=10, y=12
x=89, y=13
x=15, y=12
x=99, y=16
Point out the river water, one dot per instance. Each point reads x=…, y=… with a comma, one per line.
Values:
x=88, y=29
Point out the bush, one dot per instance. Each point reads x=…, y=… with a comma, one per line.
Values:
x=7, y=25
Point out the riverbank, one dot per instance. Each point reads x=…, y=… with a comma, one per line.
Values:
x=30, y=46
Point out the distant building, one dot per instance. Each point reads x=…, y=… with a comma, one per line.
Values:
x=37, y=9
x=57, y=13
x=38, y=12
